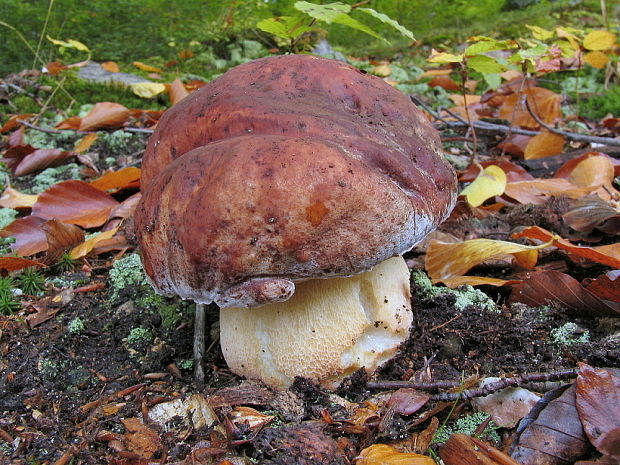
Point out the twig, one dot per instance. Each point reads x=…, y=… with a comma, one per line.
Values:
x=571, y=135
x=16, y=88
x=426, y=108
x=469, y=393
x=62, y=131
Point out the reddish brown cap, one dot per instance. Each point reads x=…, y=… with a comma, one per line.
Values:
x=283, y=169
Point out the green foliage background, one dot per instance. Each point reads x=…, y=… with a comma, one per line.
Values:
x=127, y=30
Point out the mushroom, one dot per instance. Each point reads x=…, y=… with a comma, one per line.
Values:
x=285, y=191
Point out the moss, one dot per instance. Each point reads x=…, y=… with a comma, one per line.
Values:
x=169, y=309
x=76, y=326
x=139, y=338
x=569, y=334
x=51, y=370
x=50, y=176
x=7, y=216
x=44, y=140
x=468, y=425
x=465, y=295
x=125, y=272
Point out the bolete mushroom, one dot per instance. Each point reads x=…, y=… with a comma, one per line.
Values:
x=282, y=191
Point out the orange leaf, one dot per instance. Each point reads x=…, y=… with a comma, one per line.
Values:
x=177, y=91
x=545, y=144
x=105, y=115
x=607, y=255
x=145, y=67
x=536, y=190
x=117, y=180
x=39, y=160
x=567, y=168
x=542, y=101
x=110, y=66
x=85, y=142
x=464, y=100
x=382, y=454
x=29, y=237
x=12, y=198
x=87, y=246
x=595, y=172
x=456, y=281
x=515, y=144
x=60, y=237
x=17, y=263
x=72, y=123
x=75, y=202
x=12, y=122
x=435, y=72
x=127, y=207
x=445, y=260
x=596, y=59
x=445, y=82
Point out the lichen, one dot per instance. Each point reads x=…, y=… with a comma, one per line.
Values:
x=50, y=176
x=569, y=334
x=139, y=338
x=467, y=425
x=76, y=326
x=7, y=216
x=125, y=272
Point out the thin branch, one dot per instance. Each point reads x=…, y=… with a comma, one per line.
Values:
x=571, y=135
x=62, y=131
x=426, y=108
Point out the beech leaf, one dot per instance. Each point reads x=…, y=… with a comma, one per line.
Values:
x=489, y=183
x=17, y=263
x=12, y=198
x=104, y=115
x=177, y=91
x=382, y=454
x=60, y=237
x=543, y=145
x=115, y=181
x=29, y=237
x=599, y=40
x=87, y=246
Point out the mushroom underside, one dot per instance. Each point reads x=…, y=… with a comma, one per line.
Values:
x=326, y=331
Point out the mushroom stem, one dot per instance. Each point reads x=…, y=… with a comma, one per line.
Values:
x=326, y=331
x=200, y=319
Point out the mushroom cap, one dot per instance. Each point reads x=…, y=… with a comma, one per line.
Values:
x=285, y=169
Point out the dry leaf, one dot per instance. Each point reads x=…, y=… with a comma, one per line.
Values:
x=127, y=207
x=382, y=454
x=465, y=450
x=506, y=407
x=595, y=172
x=87, y=246
x=72, y=123
x=177, y=91
x=12, y=122
x=536, y=191
x=489, y=183
x=606, y=286
x=147, y=89
x=464, y=100
x=252, y=418
x=39, y=160
x=456, y=281
x=115, y=181
x=12, y=198
x=145, y=67
x=592, y=212
x=110, y=66
x=60, y=238
x=445, y=82
x=105, y=115
x=85, y=142
x=544, y=102
x=194, y=410
x=407, y=401
x=598, y=404
x=545, y=287
x=545, y=144
x=47, y=307
x=141, y=439
x=17, y=263
x=75, y=202
x=445, y=260
x=29, y=237
x=607, y=255
x=513, y=172
x=555, y=436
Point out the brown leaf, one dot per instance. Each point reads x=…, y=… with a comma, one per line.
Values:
x=544, y=287
x=555, y=436
x=598, y=404
x=141, y=439
x=544, y=102
x=407, y=401
x=537, y=191
x=29, y=237
x=85, y=142
x=115, y=181
x=607, y=255
x=60, y=238
x=545, y=144
x=12, y=122
x=17, y=263
x=12, y=198
x=567, y=168
x=73, y=123
x=105, y=115
x=465, y=450
x=110, y=66
x=591, y=212
x=606, y=287
x=87, y=246
x=445, y=82
x=177, y=91
x=39, y=160
x=513, y=172
x=75, y=202
x=47, y=307
x=382, y=454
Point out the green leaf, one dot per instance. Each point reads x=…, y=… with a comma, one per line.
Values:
x=492, y=79
x=387, y=20
x=327, y=13
x=285, y=27
x=346, y=20
x=534, y=52
x=490, y=45
x=444, y=58
x=69, y=44
x=485, y=64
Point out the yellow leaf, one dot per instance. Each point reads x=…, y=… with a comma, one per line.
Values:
x=445, y=260
x=489, y=183
x=85, y=247
x=145, y=67
x=540, y=33
x=12, y=198
x=568, y=34
x=596, y=59
x=382, y=70
x=599, y=40
x=69, y=44
x=543, y=145
x=148, y=89
x=382, y=454
x=443, y=57
x=85, y=142
x=110, y=66
x=456, y=281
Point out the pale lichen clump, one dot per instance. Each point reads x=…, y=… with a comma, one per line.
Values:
x=569, y=334
x=7, y=215
x=126, y=271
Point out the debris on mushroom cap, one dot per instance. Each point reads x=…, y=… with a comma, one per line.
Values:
x=285, y=169
x=344, y=323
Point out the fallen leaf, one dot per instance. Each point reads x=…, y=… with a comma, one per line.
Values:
x=506, y=407
x=17, y=263
x=13, y=123
x=544, y=102
x=251, y=418
x=607, y=255
x=382, y=454
x=127, y=207
x=12, y=198
x=110, y=66
x=567, y=168
x=515, y=144
x=115, y=181
x=29, y=237
x=598, y=404
x=72, y=123
x=85, y=142
x=148, y=89
x=54, y=68
x=145, y=67
x=599, y=40
x=553, y=435
x=466, y=450
x=445, y=260
x=545, y=287
x=456, y=281
x=47, y=307
x=464, y=100
x=60, y=238
x=595, y=172
x=75, y=202
x=382, y=70
x=445, y=82
x=606, y=286
x=591, y=212
x=407, y=401
x=435, y=72
x=39, y=160
x=545, y=144
x=537, y=191
x=141, y=439
x=87, y=246
x=513, y=172
x=194, y=410
x=489, y=183
x=177, y=91
x=105, y=115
